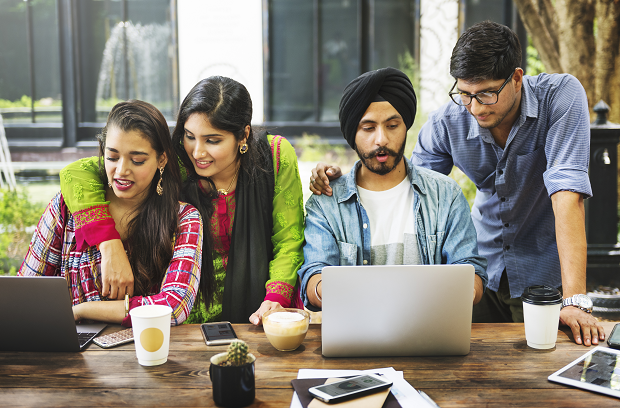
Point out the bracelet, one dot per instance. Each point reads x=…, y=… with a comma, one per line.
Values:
x=316, y=292
x=126, y=304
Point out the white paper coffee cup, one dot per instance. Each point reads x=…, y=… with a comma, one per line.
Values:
x=541, y=315
x=151, y=333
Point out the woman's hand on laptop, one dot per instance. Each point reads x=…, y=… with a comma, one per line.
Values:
x=321, y=175
x=116, y=274
x=267, y=305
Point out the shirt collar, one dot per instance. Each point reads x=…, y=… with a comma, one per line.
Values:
x=529, y=102
x=529, y=108
x=350, y=182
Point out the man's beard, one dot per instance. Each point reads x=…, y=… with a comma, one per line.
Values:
x=499, y=120
x=382, y=168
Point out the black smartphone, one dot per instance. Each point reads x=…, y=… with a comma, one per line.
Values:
x=218, y=333
x=614, y=337
x=350, y=388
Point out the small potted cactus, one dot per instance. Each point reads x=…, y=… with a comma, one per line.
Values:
x=237, y=354
x=232, y=376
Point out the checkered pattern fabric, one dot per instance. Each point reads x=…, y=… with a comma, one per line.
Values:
x=53, y=252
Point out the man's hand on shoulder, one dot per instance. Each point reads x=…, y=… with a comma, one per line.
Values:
x=322, y=174
x=586, y=329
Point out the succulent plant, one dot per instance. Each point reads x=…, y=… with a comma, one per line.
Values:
x=237, y=353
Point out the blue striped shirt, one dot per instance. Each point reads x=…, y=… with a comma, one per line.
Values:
x=547, y=151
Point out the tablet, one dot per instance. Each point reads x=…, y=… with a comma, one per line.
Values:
x=598, y=370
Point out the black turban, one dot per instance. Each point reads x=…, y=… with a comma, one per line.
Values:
x=387, y=84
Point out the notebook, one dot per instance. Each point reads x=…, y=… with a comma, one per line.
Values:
x=37, y=316
x=397, y=310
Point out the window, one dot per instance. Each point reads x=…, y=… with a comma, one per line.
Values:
x=317, y=47
x=29, y=62
x=65, y=63
x=124, y=52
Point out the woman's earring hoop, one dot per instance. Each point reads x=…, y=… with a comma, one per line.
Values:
x=243, y=149
x=160, y=189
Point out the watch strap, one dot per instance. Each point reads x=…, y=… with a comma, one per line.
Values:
x=573, y=301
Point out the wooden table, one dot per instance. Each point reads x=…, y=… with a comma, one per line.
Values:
x=500, y=371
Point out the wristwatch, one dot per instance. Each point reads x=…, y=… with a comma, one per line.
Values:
x=580, y=300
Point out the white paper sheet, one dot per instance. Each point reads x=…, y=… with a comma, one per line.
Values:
x=405, y=394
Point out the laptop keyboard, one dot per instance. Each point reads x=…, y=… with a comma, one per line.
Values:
x=85, y=338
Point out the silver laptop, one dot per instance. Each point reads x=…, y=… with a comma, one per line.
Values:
x=37, y=316
x=397, y=310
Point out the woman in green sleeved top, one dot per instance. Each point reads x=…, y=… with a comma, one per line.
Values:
x=246, y=186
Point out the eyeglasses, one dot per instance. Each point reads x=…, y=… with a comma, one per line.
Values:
x=484, y=98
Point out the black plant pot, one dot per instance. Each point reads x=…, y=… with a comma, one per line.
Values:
x=233, y=386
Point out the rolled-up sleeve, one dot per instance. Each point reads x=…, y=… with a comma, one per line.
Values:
x=567, y=145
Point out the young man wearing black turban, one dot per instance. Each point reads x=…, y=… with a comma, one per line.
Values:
x=525, y=142
x=386, y=211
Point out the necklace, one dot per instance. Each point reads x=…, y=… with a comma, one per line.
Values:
x=226, y=191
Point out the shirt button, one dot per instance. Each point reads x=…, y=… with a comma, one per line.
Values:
x=507, y=247
x=503, y=199
x=365, y=225
x=506, y=225
x=365, y=262
x=501, y=172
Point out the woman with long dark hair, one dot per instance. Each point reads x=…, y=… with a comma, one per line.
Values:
x=246, y=186
x=162, y=237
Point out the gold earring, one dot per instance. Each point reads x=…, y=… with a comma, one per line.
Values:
x=243, y=149
x=160, y=189
x=110, y=183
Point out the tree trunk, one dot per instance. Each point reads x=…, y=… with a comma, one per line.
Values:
x=575, y=30
x=607, y=61
x=563, y=32
x=541, y=27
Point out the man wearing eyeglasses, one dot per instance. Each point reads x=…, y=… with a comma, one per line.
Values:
x=524, y=141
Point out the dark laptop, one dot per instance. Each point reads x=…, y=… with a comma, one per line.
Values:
x=37, y=316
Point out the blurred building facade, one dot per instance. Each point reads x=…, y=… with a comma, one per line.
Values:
x=65, y=63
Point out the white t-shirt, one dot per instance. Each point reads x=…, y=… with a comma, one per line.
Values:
x=392, y=225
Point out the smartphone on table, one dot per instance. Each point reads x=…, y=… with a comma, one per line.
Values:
x=114, y=339
x=218, y=333
x=614, y=337
x=350, y=388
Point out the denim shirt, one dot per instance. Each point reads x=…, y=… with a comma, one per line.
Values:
x=337, y=228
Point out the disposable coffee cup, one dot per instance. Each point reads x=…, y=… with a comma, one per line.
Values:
x=151, y=333
x=541, y=315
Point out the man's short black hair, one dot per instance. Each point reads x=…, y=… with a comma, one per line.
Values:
x=487, y=50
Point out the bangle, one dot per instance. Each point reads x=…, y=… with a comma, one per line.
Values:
x=316, y=292
x=126, y=304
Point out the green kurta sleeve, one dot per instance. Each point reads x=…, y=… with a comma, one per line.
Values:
x=288, y=223
x=84, y=194
x=81, y=185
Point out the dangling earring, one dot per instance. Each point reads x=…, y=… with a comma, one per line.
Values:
x=110, y=183
x=243, y=149
x=160, y=189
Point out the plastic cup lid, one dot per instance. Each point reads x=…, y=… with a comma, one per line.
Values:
x=541, y=295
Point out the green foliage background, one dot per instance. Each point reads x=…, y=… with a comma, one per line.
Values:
x=17, y=216
x=26, y=102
